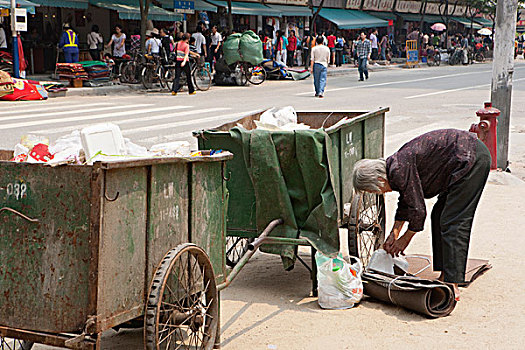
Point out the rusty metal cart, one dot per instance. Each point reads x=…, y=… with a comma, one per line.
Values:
x=360, y=136
x=84, y=249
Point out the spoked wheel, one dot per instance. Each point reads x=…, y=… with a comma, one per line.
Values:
x=148, y=77
x=235, y=249
x=202, y=78
x=479, y=57
x=366, y=229
x=437, y=59
x=160, y=73
x=183, y=306
x=14, y=344
x=256, y=75
x=168, y=77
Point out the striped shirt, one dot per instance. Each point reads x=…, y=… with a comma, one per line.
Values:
x=182, y=49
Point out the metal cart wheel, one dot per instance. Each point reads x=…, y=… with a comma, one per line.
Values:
x=14, y=344
x=366, y=229
x=235, y=249
x=182, y=310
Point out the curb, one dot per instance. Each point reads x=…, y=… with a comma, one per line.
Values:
x=102, y=90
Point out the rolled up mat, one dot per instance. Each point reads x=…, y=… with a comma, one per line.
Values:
x=430, y=298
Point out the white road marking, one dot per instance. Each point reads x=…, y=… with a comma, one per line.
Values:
x=138, y=119
x=396, y=82
x=86, y=117
x=48, y=106
x=222, y=118
x=71, y=111
x=453, y=90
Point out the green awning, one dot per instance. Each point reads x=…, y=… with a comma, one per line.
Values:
x=484, y=22
x=200, y=5
x=130, y=10
x=351, y=19
x=466, y=22
x=383, y=15
x=247, y=8
x=29, y=6
x=412, y=17
x=73, y=4
x=286, y=10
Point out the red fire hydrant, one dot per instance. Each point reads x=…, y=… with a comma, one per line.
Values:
x=486, y=130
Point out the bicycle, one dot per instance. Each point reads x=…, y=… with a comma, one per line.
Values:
x=200, y=75
x=254, y=74
x=153, y=72
x=456, y=57
x=130, y=70
x=433, y=57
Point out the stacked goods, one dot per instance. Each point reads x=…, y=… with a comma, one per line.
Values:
x=96, y=70
x=71, y=71
x=6, y=84
x=245, y=47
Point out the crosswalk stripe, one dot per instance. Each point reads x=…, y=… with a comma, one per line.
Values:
x=49, y=106
x=71, y=111
x=222, y=117
x=133, y=120
x=86, y=117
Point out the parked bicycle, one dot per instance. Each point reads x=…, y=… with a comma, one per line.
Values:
x=130, y=71
x=433, y=57
x=254, y=74
x=456, y=56
x=200, y=75
x=153, y=72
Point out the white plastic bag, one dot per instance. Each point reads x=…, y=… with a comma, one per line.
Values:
x=383, y=262
x=339, y=282
x=284, y=118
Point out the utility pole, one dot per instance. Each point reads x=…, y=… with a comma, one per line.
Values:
x=502, y=70
x=16, y=68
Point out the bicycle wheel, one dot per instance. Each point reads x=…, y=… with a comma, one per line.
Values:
x=437, y=58
x=202, y=78
x=169, y=75
x=256, y=75
x=147, y=77
x=14, y=344
x=430, y=61
x=160, y=74
x=479, y=57
x=129, y=73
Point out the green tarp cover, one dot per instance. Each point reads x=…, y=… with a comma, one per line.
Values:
x=484, y=22
x=351, y=19
x=291, y=177
x=245, y=47
x=130, y=10
x=74, y=4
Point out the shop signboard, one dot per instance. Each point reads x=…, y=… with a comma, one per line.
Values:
x=408, y=6
x=184, y=6
x=353, y=4
x=4, y=12
x=378, y=5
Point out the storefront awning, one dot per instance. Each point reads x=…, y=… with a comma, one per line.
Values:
x=484, y=22
x=73, y=4
x=351, y=19
x=411, y=17
x=130, y=10
x=29, y=6
x=384, y=15
x=247, y=8
x=286, y=10
x=466, y=22
x=200, y=5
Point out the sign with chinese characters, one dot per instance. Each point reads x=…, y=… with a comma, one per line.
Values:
x=353, y=4
x=184, y=6
x=378, y=5
x=408, y=6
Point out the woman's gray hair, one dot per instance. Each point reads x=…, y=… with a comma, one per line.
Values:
x=366, y=174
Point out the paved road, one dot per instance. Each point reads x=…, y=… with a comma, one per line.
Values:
x=423, y=99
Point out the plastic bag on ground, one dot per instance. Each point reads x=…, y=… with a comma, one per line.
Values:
x=383, y=262
x=339, y=282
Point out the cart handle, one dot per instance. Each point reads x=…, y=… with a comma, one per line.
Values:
x=18, y=213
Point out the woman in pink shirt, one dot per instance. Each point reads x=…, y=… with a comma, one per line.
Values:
x=182, y=48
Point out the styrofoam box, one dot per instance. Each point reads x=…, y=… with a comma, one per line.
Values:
x=105, y=138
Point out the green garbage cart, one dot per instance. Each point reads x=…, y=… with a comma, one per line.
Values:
x=85, y=248
x=336, y=141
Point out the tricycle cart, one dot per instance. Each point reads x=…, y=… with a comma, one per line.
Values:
x=351, y=136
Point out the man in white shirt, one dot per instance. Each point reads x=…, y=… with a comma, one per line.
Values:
x=373, y=41
x=216, y=42
x=200, y=42
x=320, y=57
x=152, y=43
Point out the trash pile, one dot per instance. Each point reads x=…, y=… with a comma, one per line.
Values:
x=280, y=119
x=96, y=70
x=101, y=142
x=71, y=71
x=12, y=89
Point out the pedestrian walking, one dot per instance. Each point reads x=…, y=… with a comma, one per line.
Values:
x=291, y=48
x=215, y=48
x=280, y=48
x=69, y=44
x=94, y=40
x=363, y=52
x=319, y=65
x=373, y=42
x=383, y=44
x=331, y=45
x=118, y=40
x=200, y=41
x=182, y=48
x=167, y=43
x=306, y=44
x=451, y=164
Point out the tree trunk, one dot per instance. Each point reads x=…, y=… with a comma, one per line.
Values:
x=315, y=14
x=144, y=10
x=230, y=16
